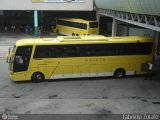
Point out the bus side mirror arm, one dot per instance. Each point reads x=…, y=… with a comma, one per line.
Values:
x=7, y=60
x=8, y=54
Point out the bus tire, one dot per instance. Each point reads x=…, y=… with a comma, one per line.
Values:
x=37, y=77
x=57, y=31
x=73, y=34
x=119, y=73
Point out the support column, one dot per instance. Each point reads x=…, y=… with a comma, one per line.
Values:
x=98, y=19
x=97, y=16
x=36, y=23
x=157, y=43
x=114, y=27
x=127, y=32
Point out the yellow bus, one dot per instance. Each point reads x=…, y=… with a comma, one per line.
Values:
x=39, y=59
x=76, y=27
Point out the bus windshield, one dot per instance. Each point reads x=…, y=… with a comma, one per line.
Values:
x=22, y=58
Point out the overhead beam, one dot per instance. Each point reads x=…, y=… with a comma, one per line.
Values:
x=146, y=21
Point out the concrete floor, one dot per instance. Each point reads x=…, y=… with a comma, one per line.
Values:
x=78, y=96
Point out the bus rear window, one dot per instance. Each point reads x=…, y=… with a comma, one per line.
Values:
x=93, y=24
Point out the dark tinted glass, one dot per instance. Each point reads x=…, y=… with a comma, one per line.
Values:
x=72, y=24
x=93, y=24
x=22, y=58
x=58, y=51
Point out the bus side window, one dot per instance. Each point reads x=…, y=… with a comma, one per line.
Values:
x=44, y=52
x=52, y=52
x=38, y=52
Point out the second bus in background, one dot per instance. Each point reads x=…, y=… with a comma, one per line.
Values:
x=76, y=27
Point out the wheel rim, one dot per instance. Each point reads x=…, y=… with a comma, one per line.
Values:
x=119, y=74
x=39, y=77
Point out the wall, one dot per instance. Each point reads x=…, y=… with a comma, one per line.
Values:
x=28, y=5
x=122, y=30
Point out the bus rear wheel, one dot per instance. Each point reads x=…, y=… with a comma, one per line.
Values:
x=119, y=73
x=73, y=34
x=57, y=31
x=37, y=77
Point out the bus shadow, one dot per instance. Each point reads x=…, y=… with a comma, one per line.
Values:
x=156, y=77
x=80, y=79
x=77, y=79
x=66, y=80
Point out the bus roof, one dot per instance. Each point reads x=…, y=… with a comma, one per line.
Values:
x=97, y=39
x=75, y=20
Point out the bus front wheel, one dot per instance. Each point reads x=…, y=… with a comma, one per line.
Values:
x=37, y=77
x=119, y=73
